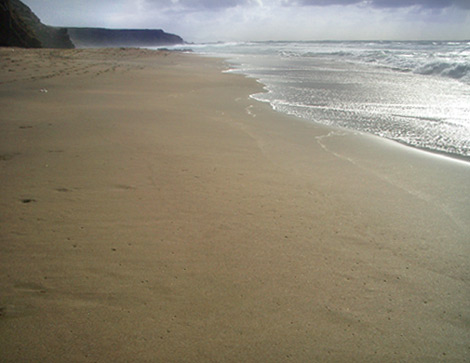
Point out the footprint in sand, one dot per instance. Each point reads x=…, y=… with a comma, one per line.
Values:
x=6, y=157
x=124, y=187
x=28, y=200
x=30, y=287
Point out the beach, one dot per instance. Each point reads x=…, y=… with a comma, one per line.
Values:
x=152, y=211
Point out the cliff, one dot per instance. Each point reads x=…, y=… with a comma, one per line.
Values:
x=101, y=37
x=20, y=27
x=14, y=31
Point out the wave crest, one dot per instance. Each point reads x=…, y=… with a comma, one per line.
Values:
x=458, y=71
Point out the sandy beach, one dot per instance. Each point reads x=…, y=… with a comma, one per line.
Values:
x=151, y=211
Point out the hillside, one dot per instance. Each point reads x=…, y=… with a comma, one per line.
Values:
x=101, y=37
x=14, y=30
x=22, y=28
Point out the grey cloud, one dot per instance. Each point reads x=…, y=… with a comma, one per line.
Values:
x=218, y=4
x=430, y=4
x=211, y=3
x=198, y=4
x=326, y=2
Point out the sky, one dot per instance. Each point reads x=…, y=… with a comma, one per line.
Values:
x=243, y=20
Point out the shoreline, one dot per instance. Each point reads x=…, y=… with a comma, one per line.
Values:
x=153, y=211
x=238, y=69
x=451, y=156
x=430, y=152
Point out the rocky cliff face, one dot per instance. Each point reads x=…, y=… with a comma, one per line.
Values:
x=100, y=37
x=20, y=27
x=14, y=31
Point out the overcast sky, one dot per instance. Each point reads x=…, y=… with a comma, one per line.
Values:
x=232, y=20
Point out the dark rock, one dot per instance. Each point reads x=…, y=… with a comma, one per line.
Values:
x=20, y=27
x=14, y=31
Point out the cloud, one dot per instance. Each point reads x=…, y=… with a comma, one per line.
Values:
x=322, y=2
x=428, y=4
x=92, y=9
x=217, y=4
x=346, y=20
x=212, y=20
x=197, y=4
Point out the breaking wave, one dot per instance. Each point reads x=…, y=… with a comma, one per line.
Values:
x=458, y=71
x=417, y=57
x=430, y=58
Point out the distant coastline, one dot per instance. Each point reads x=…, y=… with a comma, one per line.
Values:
x=103, y=37
x=22, y=28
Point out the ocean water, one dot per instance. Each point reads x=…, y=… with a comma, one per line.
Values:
x=415, y=93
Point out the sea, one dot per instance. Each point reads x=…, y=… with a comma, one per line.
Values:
x=414, y=92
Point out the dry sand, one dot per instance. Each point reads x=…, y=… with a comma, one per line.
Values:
x=151, y=211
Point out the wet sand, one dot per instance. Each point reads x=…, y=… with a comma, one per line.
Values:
x=151, y=211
